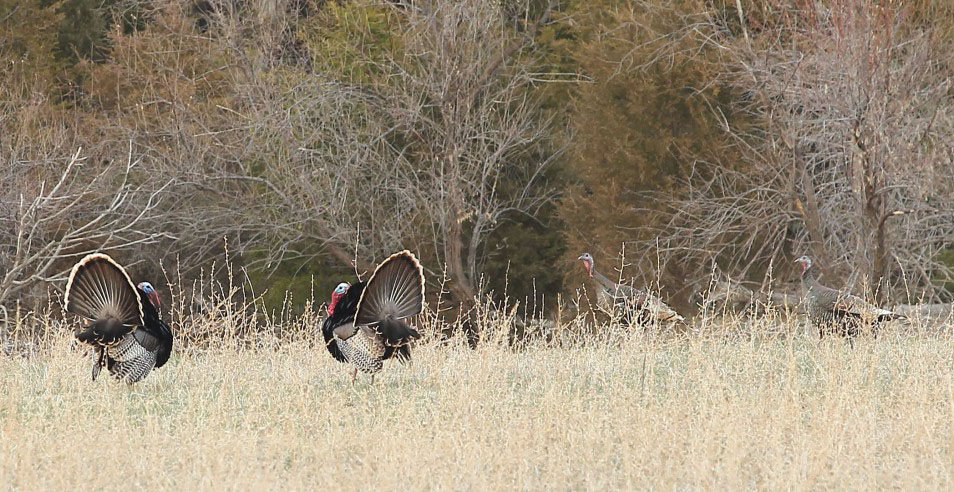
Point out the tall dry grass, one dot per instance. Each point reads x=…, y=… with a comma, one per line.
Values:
x=774, y=409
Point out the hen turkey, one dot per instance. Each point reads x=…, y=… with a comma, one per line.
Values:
x=632, y=305
x=836, y=312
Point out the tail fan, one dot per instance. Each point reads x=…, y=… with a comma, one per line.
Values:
x=402, y=353
x=395, y=333
x=99, y=289
x=394, y=292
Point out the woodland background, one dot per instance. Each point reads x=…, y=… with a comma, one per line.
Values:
x=498, y=139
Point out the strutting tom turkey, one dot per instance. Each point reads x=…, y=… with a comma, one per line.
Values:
x=366, y=321
x=836, y=312
x=634, y=305
x=125, y=330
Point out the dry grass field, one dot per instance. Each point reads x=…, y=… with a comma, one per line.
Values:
x=632, y=411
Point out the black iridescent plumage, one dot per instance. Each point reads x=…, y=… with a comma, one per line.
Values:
x=366, y=324
x=343, y=314
x=157, y=329
x=126, y=332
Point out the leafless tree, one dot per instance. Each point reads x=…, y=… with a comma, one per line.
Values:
x=55, y=208
x=847, y=145
x=438, y=148
x=474, y=124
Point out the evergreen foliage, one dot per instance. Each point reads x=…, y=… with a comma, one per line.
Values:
x=633, y=100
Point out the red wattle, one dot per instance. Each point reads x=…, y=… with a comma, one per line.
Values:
x=154, y=297
x=333, y=303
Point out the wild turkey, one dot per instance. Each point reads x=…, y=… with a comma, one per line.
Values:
x=841, y=313
x=630, y=301
x=365, y=324
x=126, y=333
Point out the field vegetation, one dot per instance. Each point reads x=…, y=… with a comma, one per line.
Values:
x=293, y=144
x=731, y=403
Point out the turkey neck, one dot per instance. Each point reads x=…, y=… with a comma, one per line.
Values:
x=810, y=276
x=609, y=284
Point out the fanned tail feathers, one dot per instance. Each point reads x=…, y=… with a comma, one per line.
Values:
x=99, y=289
x=394, y=292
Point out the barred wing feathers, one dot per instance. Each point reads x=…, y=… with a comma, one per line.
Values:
x=645, y=305
x=659, y=309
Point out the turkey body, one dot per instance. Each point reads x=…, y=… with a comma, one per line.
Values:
x=366, y=321
x=338, y=331
x=835, y=312
x=632, y=305
x=136, y=354
x=126, y=333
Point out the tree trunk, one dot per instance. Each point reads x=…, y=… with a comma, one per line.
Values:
x=461, y=286
x=871, y=185
x=812, y=218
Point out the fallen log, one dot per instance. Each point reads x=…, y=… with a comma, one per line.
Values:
x=740, y=298
x=934, y=313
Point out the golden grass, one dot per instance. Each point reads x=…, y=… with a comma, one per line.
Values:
x=641, y=412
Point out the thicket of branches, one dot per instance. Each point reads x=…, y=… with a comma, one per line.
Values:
x=313, y=138
x=846, y=147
